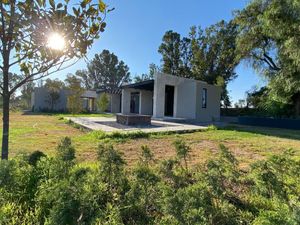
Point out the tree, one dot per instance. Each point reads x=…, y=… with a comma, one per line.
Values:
x=152, y=70
x=26, y=91
x=256, y=97
x=105, y=71
x=269, y=39
x=240, y=104
x=102, y=102
x=41, y=37
x=213, y=55
x=53, y=87
x=207, y=55
x=170, y=51
x=74, y=101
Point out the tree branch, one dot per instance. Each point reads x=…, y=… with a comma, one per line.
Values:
x=271, y=62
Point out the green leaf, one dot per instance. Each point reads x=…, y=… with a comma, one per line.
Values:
x=102, y=6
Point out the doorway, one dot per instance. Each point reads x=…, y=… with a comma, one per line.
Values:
x=135, y=102
x=169, y=100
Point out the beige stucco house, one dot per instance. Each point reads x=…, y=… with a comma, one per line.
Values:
x=168, y=96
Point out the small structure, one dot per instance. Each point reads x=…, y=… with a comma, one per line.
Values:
x=170, y=97
x=41, y=100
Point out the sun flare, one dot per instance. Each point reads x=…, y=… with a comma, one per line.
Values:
x=56, y=41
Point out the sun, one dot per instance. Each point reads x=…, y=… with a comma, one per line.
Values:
x=56, y=41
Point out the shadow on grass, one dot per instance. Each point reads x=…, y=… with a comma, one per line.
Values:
x=268, y=131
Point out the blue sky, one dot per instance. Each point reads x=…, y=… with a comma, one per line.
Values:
x=135, y=29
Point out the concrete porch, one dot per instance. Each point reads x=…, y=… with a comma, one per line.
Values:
x=156, y=126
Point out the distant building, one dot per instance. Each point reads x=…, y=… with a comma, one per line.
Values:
x=41, y=102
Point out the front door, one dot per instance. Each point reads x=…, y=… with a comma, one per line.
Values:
x=169, y=100
x=135, y=102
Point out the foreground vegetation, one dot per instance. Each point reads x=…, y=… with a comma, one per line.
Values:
x=36, y=189
x=42, y=132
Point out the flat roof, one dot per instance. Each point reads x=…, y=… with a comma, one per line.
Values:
x=117, y=91
x=143, y=85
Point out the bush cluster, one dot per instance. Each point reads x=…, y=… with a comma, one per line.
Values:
x=37, y=189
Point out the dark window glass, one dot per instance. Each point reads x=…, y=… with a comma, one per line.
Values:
x=204, y=98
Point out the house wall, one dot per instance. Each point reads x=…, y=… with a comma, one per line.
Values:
x=40, y=100
x=184, y=96
x=146, y=102
x=187, y=98
x=126, y=100
x=115, y=101
x=212, y=110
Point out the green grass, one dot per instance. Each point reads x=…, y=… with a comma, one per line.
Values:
x=42, y=132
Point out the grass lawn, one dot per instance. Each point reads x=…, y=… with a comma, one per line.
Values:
x=43, y=131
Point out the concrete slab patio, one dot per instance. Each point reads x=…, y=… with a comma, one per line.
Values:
x=110, y=125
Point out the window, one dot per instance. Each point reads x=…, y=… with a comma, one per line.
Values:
x=204, y=98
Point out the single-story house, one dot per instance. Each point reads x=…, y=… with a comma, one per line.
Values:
x=165, y=97
x=168, y=96
x=42, y=102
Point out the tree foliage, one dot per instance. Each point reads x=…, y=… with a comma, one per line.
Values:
x=176, y=54
x=207, y=55
x=54, y=88
x=153, y=69
x=75, y=91
x=102, y=102
x=105, y=72
x=26, y=91
x=269, y=39
x=25, y=28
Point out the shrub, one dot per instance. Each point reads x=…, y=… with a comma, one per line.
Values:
x=56, y=190
x=65, y=150
x=102, y=102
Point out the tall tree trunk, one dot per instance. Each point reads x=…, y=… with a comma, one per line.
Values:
x=5, y=131
x=5, y=116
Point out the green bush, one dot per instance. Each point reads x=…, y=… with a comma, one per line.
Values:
x=39, y=189
x=103, y=102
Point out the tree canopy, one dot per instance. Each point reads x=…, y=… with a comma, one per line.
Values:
x=147, y=76
x=105, y=71
x=207, y=55
x=269, y=39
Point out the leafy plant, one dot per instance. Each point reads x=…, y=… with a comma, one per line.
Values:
x=102, y=102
